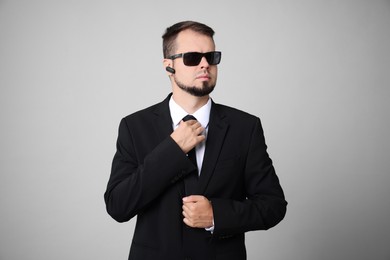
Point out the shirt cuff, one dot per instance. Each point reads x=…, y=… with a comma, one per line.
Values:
x=211, y=229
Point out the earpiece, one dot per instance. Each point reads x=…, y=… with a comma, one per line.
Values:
x=171, y=70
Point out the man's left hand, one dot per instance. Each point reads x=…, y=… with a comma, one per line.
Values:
x=197, y=212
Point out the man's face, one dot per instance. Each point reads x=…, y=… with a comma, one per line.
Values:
x=198, y=80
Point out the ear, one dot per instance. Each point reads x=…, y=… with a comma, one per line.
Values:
x=167, y=63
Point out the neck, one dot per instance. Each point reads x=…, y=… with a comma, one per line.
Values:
x=189, y=102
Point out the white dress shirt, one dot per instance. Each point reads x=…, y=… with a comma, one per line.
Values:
x=202, y=115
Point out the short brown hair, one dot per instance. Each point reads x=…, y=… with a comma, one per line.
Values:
x=171, y=33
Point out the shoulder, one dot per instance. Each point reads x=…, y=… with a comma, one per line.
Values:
x=234, y=114
x=150, y=112
x=142, y=113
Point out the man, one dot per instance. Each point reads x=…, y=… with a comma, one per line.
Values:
x=196, y=184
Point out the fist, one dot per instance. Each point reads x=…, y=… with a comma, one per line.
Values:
x=188, y=134
x=197, y=212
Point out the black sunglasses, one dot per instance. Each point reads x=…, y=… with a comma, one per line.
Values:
x=194, y=58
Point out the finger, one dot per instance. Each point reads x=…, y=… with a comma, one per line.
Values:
x=189, y=208
x=197, y=127
x=189, y=122
x=185, y=208
x=199, y=130
x=188, y=216
x=196, y=224
x=185, y=214
x=193, y=198
x=188, y=222
x=192, y=123
x=199, y=139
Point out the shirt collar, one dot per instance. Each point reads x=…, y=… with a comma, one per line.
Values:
x=202, y=114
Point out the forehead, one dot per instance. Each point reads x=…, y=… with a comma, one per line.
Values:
x=189, y=40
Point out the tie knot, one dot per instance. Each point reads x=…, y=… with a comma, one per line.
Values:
x=188, y=117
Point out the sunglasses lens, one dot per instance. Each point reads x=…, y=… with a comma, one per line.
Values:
x=192, y=58
x=213, y=58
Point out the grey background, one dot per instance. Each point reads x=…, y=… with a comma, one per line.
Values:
x=316, y=72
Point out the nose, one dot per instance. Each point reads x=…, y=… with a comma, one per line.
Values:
x=203, y=63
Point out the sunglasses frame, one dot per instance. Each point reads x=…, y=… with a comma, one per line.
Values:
x=207, y=55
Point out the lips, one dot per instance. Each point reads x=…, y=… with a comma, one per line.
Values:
x=203, y=76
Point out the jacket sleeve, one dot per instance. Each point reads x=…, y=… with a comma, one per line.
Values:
x=265, y=204
x=136, y=180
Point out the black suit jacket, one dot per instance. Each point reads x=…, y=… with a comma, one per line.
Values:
x=149, y=175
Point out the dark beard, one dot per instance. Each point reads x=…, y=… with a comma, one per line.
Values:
x=197, y=92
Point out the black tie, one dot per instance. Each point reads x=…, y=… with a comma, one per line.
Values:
x=191, y=154
x=191, y=181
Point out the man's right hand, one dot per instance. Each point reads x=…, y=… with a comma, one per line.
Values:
x=188, y=134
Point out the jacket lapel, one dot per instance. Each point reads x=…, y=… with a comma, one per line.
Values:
x=216, y=135
x=163, y=120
